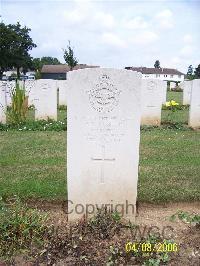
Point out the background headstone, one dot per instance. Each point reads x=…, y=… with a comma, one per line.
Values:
x=103, y=133
x=164, y=88
x=30, y=87
x=45, y=99
x=62, y=86
x=152, y=99
x=187, y=88
x=10, y=86
x=172, y=85
x=194, y=113
x=3, y=102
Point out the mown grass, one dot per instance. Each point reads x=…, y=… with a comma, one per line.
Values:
x=169, y=166
x=33, y=165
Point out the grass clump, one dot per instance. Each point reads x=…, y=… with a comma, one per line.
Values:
x=18, y=111
x=20, y=228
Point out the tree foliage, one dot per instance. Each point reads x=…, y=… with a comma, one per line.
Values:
x=197, y=72
x=157, y=64
x=190, y=72
x=38, y=63
x=15, y=43
x=69, y=57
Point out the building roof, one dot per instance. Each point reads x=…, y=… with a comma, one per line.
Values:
x=147, y=70
x=63, y=68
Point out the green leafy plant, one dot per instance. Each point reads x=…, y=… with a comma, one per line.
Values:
x=20, y=227
x=62, y=107
x=19, y=107
x=193, y=219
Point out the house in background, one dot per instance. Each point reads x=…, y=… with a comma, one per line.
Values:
x=60, y=71
x=166, y=74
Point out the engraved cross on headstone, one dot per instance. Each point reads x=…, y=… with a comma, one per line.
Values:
x=103, y=159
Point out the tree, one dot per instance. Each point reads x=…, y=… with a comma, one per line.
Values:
x=48, y=60
x=37, y=63
x=15, y=43
x=69, y=57
x=6, y=38
x=190, y=72
x=157, y=64
x=197, y=72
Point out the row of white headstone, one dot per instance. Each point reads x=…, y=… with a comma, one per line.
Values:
x=43, y=95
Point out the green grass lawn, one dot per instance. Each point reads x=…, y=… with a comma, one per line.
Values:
x=33, y=165
x=180, y=116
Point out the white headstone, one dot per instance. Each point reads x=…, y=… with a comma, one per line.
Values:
x=187, y=88
x=152, y=99
x=30, y=87
x=45, y=99
x=181, y=84
x=62, y=86
x=10, y=86
x=3, y=102
x=103, y=134
x=172, y=85
x=194, y=113
x=164, y=88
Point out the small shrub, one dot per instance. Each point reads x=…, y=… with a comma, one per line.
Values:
x=62, y=107
x=19, y=107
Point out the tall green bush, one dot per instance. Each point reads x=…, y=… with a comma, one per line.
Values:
x=19, y=107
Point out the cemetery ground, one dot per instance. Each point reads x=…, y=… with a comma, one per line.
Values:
x=33, y=168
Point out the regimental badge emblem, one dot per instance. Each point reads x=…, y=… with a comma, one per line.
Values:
x=104, y=97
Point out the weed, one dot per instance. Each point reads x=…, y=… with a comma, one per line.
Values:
x=19, y=107
x=20, y=228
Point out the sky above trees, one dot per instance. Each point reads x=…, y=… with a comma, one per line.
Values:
x=112, y=33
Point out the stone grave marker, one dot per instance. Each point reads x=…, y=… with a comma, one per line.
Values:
x=152, y=99
x=194, y=112
x=103, y=134
x=10, y=86
x=172, y=85
x=187, y=87
x=45, y=100
x=62, y=86
x=164, y=88
x=3, y=105
x=30, y=87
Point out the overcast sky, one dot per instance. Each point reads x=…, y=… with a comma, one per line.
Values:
x=112, y=33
